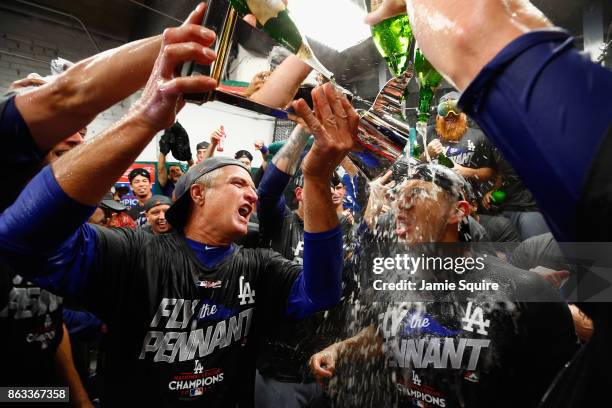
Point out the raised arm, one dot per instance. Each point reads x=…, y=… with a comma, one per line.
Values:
x=333, y=126
x=63, y=107
x=283, y=83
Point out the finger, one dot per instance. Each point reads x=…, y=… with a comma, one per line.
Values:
x=251, y=19
x=189, y=33
x=352, y=116
x=181, y=85
x=303, y=110
x=175, y=54
x=388, y=9
x=385, y=178
x=322, y=109
x=196, y=16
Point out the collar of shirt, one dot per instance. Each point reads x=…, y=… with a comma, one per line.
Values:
x=209, y=255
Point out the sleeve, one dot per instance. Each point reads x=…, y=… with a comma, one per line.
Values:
x=271, y=202
x=22, y=157
x=319, y=286
x=549, y=133
x=43, y=236
x=484, y=154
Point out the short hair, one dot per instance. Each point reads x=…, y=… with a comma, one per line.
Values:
x=243, y=153
x=139, y=171
x=208, y=179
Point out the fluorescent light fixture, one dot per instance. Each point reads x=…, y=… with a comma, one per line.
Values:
x=337, y=24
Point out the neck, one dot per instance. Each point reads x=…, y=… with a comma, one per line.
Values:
x=143, y=200
x=300, y=211
x=200, y=231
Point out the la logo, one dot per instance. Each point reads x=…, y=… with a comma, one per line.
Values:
x=475, y=317
x=246, y=295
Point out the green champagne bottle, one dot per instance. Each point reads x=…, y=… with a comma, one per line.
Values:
x=429, y=79
x=393, y=38
x=445, y=161
x=273, y=17
x=498, y=196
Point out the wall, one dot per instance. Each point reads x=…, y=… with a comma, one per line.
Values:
x=39, y=41
x=242, y=128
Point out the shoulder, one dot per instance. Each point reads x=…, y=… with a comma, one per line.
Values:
x=522, y=285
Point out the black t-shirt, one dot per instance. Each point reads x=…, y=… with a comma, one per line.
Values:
x=518, y=198
x=30, y=332
x=138, y=214
x=471, y=349
x=473, y=150
x=180, y=334
x=288, y=344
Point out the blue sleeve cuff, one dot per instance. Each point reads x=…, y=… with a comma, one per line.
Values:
x=319, y=286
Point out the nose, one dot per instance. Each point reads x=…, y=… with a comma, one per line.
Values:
x=162, y=215
x=75, y=139
x=251, y=196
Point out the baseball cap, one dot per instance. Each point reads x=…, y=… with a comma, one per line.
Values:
x=450, y=96
x=157, y=200
x=179, y=211
x=139, y=171
x=202, y=145
x=110, y=204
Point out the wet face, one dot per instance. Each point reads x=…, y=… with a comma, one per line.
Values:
x=156, y=217
x=229, y=202
x=422, y=211
x=245, y=161
x=65, y=145
x=175, y=173
x=338, y=193
x=141, y=186
x=200, y=155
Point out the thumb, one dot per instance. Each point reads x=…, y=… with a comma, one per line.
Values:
x=388, y=9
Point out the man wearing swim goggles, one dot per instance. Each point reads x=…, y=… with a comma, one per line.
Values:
x=467, y=148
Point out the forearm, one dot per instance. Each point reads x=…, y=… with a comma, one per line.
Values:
x=65, y=368
x=523, y=79
x=271, y=202
x=481, y=174
x=288, y=157
x=283, y=83
x=366, y=342
x=58, y=110
x=162, y=173
x=211, y=149
x=319, y=210
x=130, y=133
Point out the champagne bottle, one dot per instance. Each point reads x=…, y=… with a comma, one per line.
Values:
x=428, y=79
x=393, y=38
x=273, y=17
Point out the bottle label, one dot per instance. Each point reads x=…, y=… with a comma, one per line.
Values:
x=265, y=10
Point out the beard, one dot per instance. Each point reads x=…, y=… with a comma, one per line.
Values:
x=451, y=131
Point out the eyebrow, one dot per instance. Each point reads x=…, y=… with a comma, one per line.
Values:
x=242, y=180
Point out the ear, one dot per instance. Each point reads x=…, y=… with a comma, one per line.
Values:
x=298, y=193
x=459, y=212
x=198, y=193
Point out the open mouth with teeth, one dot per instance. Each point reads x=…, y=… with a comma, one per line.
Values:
x=244, y=211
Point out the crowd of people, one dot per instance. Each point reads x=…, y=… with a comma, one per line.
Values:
x=226, y=285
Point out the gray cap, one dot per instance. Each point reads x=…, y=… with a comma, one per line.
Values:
x=157, y=200
x=109, y=203
x=453, y=95
x=179, y=211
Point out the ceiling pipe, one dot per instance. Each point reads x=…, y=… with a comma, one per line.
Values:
x=161, y=13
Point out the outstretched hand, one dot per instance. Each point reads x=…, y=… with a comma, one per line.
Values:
x=162, y=96
x=334, y=123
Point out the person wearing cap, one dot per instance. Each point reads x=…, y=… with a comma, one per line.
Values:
x=182, y=308
x=155, y=209
x=201, y=149
x=468, y=149
x=111, y=213
x=446, y=346
x=245, y=157
x=140, y=182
